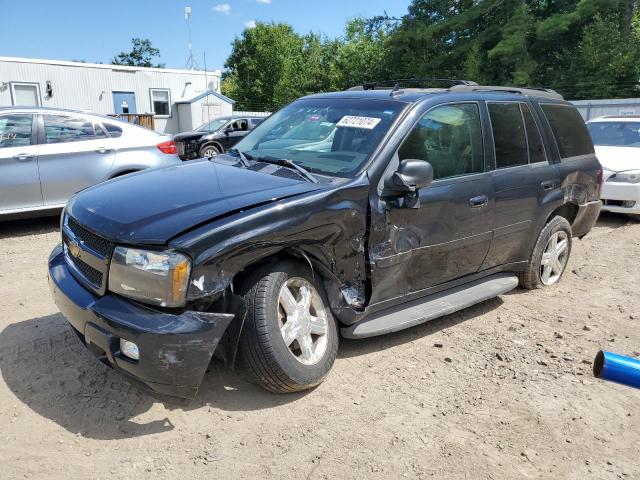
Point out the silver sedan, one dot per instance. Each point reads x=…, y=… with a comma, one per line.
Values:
x=47, y=155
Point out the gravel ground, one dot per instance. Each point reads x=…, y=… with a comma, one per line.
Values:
x=501, y=390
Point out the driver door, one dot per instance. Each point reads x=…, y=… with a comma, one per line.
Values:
x=449, y=234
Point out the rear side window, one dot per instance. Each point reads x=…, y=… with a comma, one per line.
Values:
x=15, y=130
x=509, y=135
x=99, y=131
x=62, y=129
x=536, y=148
x=113, y=130
x=450, y=139
x=572, y=136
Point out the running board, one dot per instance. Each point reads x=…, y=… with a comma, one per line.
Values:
x=430, y=307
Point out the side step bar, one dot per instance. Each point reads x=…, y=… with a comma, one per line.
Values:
x=430, y=307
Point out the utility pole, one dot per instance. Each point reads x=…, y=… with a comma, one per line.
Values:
x=191, y=62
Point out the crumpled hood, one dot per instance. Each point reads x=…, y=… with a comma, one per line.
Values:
x=194, y=135
x=618, y=159
x=153, y=206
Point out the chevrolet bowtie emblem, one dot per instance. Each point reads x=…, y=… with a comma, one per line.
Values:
x=74, y=248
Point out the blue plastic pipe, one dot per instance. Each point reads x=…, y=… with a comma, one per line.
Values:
x=617, y=368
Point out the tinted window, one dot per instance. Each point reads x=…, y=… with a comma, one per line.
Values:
x=450, y=138
x=617, y=134
x=62, y=129
x=15, y=130
x=536, y=148
x=99, y=131
x=257, y=121
x=508, y=135
x=113, y=130
x=572, y=136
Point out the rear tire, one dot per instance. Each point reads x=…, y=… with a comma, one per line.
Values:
x=290, y=339
x=549, y=257
x=209, y=151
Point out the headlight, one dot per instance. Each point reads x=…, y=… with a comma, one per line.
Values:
x=630, y=176
x=159, y=278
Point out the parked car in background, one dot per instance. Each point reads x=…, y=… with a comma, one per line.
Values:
x=617, y=144
x=214, y=137
x=47, y=155
x=426, y=201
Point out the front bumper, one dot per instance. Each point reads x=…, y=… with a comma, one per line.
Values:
x=175, y=350
x=615, y=193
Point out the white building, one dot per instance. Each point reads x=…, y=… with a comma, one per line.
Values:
x=616, y=106
x=115, y=89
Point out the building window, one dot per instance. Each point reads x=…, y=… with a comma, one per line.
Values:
x=25, y=94
x=161, y=102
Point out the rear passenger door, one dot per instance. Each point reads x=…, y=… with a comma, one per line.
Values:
x=523, y=178
x=75, y=153
x=19, y=179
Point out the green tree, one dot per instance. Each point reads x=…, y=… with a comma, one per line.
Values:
x=142, y=54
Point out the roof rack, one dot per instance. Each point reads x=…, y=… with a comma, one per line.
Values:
x=530, y=91
x=426, y=82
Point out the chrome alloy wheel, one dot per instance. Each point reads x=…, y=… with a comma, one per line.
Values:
x=210, y=152
x=554, y=258
x=303, y=320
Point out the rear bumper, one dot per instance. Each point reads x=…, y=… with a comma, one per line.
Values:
x=175, y=350
x=586, y=218
x=615, y=193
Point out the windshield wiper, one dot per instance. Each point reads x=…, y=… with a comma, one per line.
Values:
x=243, y=157
x=285, y=162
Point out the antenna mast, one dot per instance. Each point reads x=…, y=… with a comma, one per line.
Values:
x=191, y=62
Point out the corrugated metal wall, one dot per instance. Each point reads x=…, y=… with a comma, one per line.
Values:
x=89, y=86
x=590, y=109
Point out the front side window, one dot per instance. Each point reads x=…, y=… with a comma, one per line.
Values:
x=509, y=135
x=63, y=129
x=344, y=133
x=15, y=130
x=450, y=139
x=161, y=102
x=615, y=134
x=569, y=130
x=25, y=94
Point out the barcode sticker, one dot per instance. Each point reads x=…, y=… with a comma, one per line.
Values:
x=368, y=123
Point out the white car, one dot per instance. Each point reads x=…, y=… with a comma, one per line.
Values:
x=617, y=143
x=47, y=155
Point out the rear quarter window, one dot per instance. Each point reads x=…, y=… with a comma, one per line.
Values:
x=569, y=130
x=113, y=130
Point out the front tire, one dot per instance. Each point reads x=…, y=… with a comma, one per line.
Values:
x=550, y=255
x=209, y=151
x=290, y=339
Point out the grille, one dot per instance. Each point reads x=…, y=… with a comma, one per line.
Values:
x=90, y=239
x=90, y=273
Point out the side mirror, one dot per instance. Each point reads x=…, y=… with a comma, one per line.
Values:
x=228, y=130
x=411, y=176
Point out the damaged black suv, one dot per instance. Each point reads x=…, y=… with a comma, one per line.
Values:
x=348, y=214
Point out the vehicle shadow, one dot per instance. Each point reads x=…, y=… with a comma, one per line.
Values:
x=612, y=220
x=46, y=367
x=29, y=226
x=353, y=348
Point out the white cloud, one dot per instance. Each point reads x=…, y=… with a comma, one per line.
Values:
x=223, y=8
x=264, y=1
x=250, y=24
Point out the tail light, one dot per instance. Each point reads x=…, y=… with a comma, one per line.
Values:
x=168, y=147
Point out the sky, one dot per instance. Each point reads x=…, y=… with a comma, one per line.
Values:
x=95, y=31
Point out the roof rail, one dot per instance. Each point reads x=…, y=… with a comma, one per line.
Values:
x=426, y=82
x=530, y=91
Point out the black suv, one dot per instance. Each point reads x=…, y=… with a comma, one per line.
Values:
x=385, y=208
x=214, y=137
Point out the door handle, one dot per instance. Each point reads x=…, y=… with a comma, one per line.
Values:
x=548, y=186
x=478, y=202
x=22, y=157
x=103, y=150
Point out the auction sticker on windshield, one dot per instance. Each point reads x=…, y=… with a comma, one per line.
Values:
x=368, y=123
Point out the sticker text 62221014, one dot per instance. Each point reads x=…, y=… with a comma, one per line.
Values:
x=368, y=123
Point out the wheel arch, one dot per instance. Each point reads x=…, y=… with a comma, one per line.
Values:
x=214, y=143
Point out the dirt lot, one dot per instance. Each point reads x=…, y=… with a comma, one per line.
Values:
x=501, y=390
